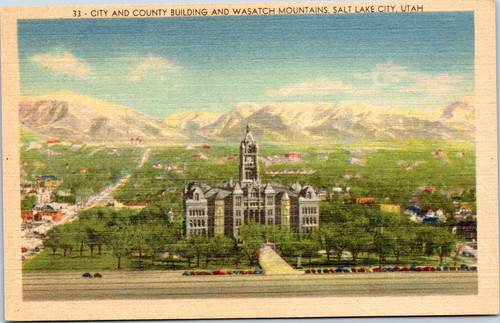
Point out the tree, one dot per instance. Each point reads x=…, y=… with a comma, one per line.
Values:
x=60, y=237
x=28, y=202
x=120, y=242
x=197, y=243
x=252, y=236
x=140, y=238
x=325, y=237
x=441, y=242
x=403, y=241
x=222, y=247
x=359, y=237
x=382, y=245
x=183, y=248
x=308, y=248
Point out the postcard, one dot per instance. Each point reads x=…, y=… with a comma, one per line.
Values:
x=258, y=160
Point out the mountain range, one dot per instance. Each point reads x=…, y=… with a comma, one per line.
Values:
x=71, y=115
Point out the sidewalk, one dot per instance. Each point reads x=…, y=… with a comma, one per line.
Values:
x=273, y=264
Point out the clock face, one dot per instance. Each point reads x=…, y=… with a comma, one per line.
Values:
x=249, y=159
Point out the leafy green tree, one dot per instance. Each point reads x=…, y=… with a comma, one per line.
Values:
x=197, y=243
x=183, y=248
x=28, y=202
x=120, y=242
x=382, y=245
x=441, y=242
x=325, y=237
x=222, y=247
x=61, y=237
x=140, y=233
x=359, y=237
x=403, y=242
x=252, y=236
x=308, y=248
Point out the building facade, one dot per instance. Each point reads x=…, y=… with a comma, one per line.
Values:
x=223, y=208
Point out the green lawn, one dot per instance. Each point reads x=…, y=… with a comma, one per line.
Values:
x=47, y=261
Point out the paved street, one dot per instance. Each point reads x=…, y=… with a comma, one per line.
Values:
x=158, y=284
x=272, y=263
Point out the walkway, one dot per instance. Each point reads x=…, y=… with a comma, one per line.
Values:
x=273, y=264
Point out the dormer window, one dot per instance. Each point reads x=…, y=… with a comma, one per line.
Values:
x=309, y=195
x=196, y=196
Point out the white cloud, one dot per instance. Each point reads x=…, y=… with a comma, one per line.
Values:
x=64, y=63
x=316, y=87
x=152, y=67
x=389, y=76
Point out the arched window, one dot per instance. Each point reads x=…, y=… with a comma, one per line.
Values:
x=309, y=195
x=196, y=196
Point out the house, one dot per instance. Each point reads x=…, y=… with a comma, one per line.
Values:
x=359, y=200
x=48, y=211
x=171, y=214
x=27, y=215
x=391, y=208
x=358, y=160
x=468, y=229
x=292, y=155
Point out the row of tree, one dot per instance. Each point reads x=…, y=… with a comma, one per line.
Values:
x=149, y=233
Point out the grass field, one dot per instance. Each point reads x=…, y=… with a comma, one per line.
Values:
x=159, y=284
x=47, y=261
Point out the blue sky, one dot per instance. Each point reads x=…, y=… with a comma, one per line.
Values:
x=164, y=65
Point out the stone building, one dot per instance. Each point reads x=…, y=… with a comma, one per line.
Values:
x=222, y=208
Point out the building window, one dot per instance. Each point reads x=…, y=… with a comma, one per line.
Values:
x=238, y=201
x=269, y=200
x=309, y=195
x=196, y=196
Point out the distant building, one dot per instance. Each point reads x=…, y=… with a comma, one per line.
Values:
x=292, y=155
x=222, y=208
x=27, y=215
x=391, y=208
x=362, y=199
x=48, y=211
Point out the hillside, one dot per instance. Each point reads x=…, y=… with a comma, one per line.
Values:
x=75, y=116
x=344, y=121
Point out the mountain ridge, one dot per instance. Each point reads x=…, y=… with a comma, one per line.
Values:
x=73, y=115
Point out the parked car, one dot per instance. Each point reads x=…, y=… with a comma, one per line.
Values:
x=464, y=267
x=395, y=268
x=186, y=273
x=376, y=269
x=97, y=275
x=87, y=275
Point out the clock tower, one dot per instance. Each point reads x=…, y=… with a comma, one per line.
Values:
x=249, y=163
